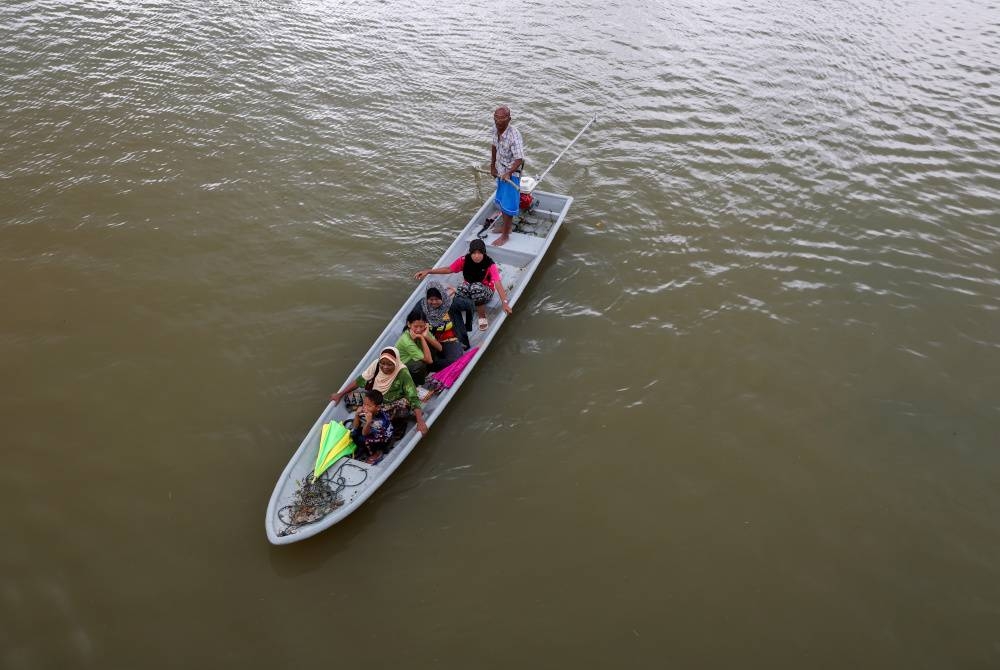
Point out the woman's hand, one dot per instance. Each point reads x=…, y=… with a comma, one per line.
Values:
x=422, y=427
x=335, y=398
x=420, y=275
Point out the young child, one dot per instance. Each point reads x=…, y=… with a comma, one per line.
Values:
x=371, y=429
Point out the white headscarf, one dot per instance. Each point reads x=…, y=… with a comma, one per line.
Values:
x=383, y=381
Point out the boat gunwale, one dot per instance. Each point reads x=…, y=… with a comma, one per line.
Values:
x=402, y=450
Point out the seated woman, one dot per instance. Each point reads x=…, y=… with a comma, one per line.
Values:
x=416, y=345
x=456, y=308
x=390, y=377
x=371, y=429
x=436, y=307
x=482, y=278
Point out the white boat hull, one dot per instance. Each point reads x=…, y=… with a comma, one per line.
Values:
x=518, y=260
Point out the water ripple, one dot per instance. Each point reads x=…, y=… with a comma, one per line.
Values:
x=775, y=196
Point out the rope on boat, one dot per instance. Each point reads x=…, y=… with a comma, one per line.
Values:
x=315, y=498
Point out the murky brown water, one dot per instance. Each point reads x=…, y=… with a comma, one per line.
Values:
x=746, y=414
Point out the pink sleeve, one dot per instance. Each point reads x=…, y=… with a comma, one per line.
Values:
x=493, y=276
x=458, y=264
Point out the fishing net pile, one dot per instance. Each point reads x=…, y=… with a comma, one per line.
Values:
x=316, y=497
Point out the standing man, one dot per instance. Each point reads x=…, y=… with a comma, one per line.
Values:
x=506, y=160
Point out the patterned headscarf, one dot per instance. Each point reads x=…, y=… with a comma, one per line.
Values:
x=435, y=317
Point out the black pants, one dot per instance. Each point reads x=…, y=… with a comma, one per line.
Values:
x=462, y=313
x=450, y=352
x=418, y=370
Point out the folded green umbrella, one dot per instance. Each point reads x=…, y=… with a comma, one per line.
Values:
x=334, y=442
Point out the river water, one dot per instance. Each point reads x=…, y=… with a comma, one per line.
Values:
x=745, y=414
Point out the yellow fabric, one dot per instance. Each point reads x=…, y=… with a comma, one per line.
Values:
x=329, y=453
x=322, y=438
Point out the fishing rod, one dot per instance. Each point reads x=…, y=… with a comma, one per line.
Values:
x=556, y=160
x=551, y=165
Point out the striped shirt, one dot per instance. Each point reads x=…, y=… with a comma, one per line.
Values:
x=510, y=147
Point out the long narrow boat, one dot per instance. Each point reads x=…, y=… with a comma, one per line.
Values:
x=356, y=480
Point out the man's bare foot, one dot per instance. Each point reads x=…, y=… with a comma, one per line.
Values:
x=502, y=240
